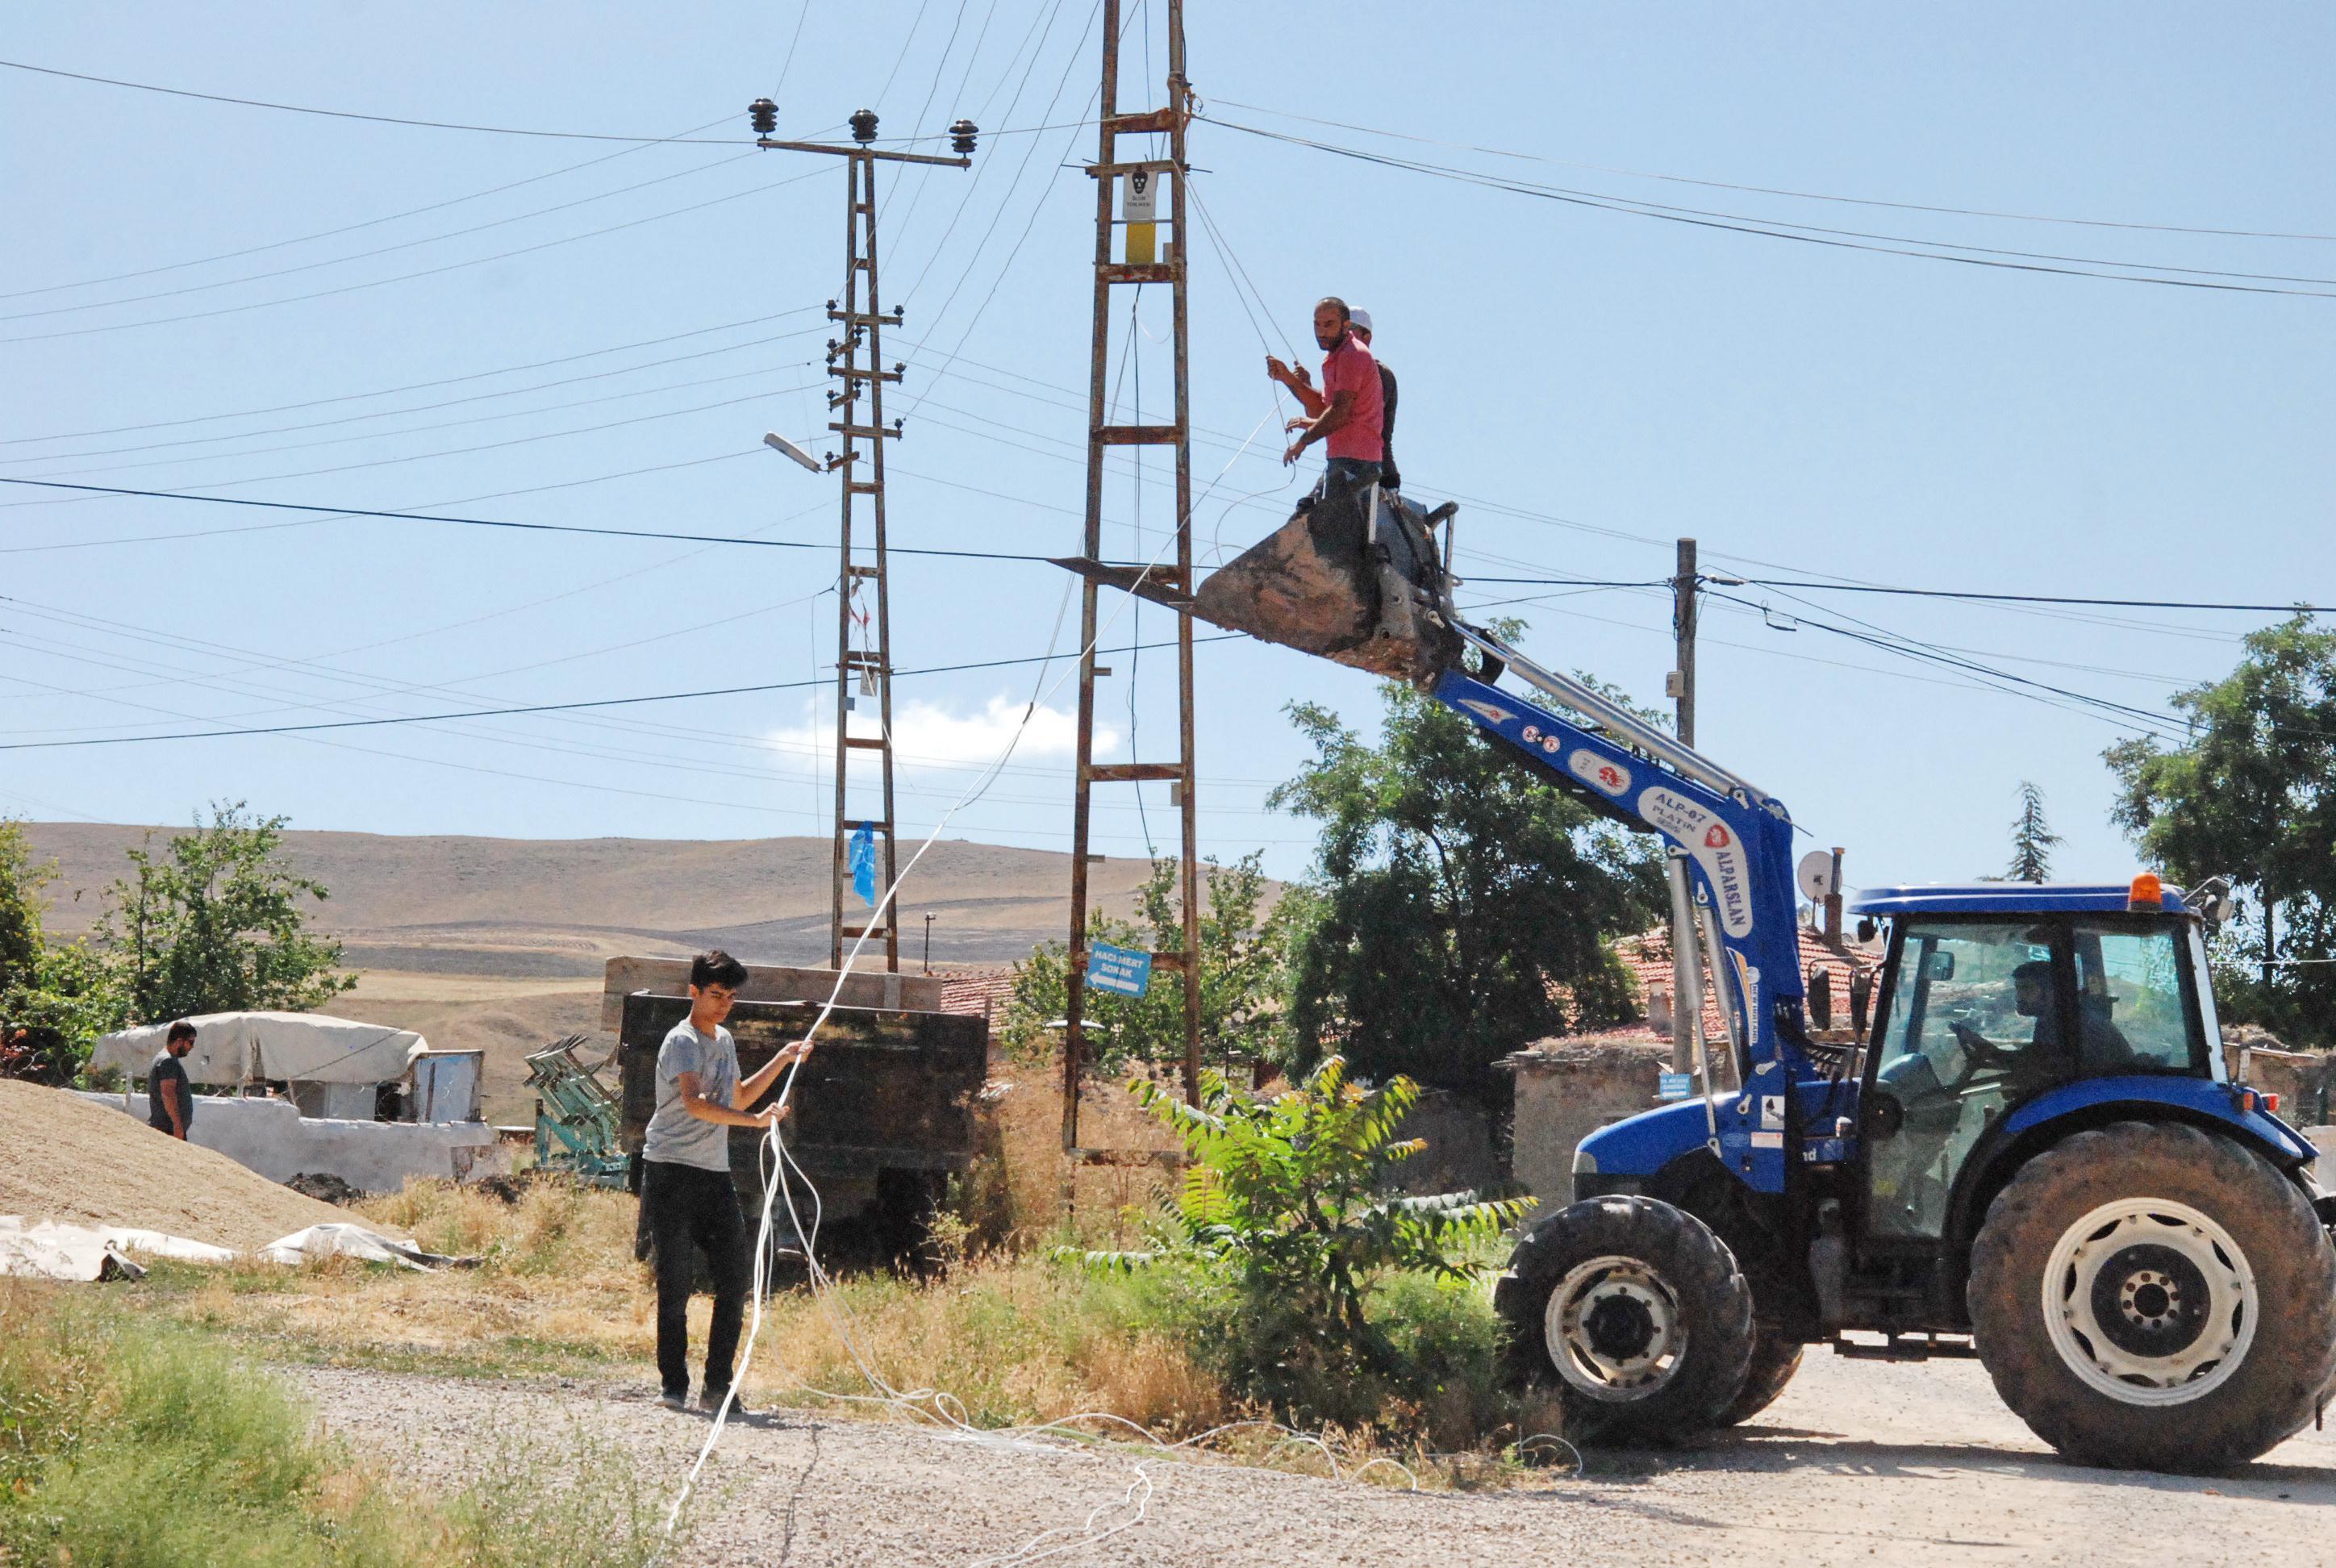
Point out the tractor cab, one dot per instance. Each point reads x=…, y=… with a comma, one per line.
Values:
x=2003, y=1006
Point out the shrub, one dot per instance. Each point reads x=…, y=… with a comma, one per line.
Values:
x=1286, y=1260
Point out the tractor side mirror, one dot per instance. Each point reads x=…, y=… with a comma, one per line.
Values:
x=1866, y=928
x=1939, y=967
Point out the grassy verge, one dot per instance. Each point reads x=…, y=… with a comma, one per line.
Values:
x=125, y=1440
x=1013, y=1338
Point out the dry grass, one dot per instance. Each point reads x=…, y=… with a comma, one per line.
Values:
x=1012, y=1338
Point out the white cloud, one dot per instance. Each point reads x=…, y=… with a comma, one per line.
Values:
x=931, y=735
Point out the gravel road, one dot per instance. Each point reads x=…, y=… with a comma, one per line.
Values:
x=1857, y=1463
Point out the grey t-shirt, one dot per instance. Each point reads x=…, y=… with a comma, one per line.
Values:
x=675, y=1137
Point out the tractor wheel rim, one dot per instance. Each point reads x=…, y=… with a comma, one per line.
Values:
x=2149, y=1301
x=1614, y=1330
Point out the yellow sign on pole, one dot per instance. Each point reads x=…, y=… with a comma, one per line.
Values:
x=1140, y=206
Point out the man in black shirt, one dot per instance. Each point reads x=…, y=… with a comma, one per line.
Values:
x=1389, y=478
x=169, y=1099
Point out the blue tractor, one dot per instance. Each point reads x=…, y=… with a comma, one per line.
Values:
x=2033, y=1156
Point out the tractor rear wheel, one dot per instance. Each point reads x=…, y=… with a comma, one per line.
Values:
x=2151, y=1296
x=1633, y=1312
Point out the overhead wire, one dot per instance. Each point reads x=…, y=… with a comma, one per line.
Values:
x=418, y=385
x=2160, y=274
x=351, y=114
x=759, y=189
x=344, y=229
x=425, y=407
x=380, y=249
x=1778, y=190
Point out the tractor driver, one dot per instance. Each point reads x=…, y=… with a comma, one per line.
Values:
x=2100, y=1042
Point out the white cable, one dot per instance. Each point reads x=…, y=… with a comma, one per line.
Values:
x=935, y=1406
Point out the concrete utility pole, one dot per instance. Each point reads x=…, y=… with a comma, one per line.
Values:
x=857, y=360
x=1139, y=177
x=1686, y=961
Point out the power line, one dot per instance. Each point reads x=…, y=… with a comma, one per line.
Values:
x=426, y=385
x=373, y=118
x=1797, y=195
x=309, y=522
x=1999, y=257
x=487, y=521
x=446, y=451
x=426, y=407
x=182, y=458
x=2157, y=723
x=539, y=707
x=344, y=229
x=381, y=250
x=409, y=276
x=2293, y=607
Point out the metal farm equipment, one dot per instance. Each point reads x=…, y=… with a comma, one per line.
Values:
x=577, y=1117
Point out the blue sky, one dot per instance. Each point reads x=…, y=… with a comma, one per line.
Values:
x=1605, y=382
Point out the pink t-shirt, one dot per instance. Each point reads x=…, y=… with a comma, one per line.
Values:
x=1349, y=368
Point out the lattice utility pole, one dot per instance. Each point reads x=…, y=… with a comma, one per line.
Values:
x=1139, y=177
x=857, y=360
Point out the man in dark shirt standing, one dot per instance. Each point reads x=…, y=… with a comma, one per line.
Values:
x=1389, y=479
x=169, y=1099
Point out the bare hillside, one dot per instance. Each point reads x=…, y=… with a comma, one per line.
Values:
x=551, y=908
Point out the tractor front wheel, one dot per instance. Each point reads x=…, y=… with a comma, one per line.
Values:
x=1633, y=1312
x=2150, y=1296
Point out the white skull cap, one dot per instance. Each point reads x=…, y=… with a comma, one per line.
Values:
x=1361, y=319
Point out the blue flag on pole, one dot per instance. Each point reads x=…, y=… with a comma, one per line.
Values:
x=861, y=856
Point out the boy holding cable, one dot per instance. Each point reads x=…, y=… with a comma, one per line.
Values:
x=689, y=1202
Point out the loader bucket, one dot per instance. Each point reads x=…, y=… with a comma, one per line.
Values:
x=1352, y=577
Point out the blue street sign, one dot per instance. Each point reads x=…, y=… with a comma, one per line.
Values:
x=1674, y=1085
x=1121, y=970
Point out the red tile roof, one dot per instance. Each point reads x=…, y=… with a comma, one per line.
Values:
x=981, y=991
x=1648, y=957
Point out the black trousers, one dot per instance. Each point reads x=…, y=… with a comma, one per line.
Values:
x=688, y=1211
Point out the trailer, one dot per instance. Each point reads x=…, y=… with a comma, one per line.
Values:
x=884, y=1112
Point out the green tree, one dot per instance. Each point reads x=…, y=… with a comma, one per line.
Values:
x=55, y=998
x=2031, y=839
x=214, y=921
x=1464, y=907
x=2252, y=795
x=1243, y=961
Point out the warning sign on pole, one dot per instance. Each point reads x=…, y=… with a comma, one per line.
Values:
x=1140, y=206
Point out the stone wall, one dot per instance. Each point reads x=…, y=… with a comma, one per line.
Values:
x=273, y=1138
x=1566, y=1090
x=2300, y=1078
x=1459, y=1152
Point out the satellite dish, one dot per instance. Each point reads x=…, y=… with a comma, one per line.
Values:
x=1815, y=875
x=778, y=442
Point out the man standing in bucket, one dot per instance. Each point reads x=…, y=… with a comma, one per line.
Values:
x=687, y=1199
x=1348, y=414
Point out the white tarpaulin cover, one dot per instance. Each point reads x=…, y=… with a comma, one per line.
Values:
x=50, y=1250
x=328, y=1240
x=232, y=1048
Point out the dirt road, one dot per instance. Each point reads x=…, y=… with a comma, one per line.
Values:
x=1857, y=1464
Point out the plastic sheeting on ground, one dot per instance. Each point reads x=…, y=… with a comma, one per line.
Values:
x=47, y=1250
x=50, y=1250
x=329, y=1241
x=248, y=1046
